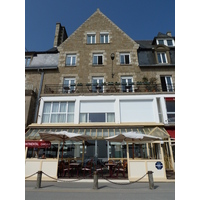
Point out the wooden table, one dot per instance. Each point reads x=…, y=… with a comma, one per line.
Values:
x=75, y=166
x=111, y=165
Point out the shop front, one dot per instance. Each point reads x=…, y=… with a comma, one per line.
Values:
x=142, y=156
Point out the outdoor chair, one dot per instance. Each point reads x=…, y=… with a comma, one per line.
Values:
x=87, y=167
x=67, y=168
x=121, y=168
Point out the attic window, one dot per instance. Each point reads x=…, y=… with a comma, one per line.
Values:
x=27, y=61
x=104, y=38
x=166, y=42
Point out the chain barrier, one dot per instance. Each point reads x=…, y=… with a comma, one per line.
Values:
x=78, y=179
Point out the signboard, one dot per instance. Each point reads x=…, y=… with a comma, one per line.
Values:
x=38, y=144
x=159, y=165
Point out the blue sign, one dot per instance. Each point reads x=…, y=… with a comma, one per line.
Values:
x=159, y=165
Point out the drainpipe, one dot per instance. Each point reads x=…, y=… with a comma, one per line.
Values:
x=38, y=97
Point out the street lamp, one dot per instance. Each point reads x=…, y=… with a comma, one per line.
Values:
x=112, y=56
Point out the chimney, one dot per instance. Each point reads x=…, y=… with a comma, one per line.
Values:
x=60, y=35
x=169, y=33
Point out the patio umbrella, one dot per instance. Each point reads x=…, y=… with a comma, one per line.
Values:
x=132, y=137
x=63, y=136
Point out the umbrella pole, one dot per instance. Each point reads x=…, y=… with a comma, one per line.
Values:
x=62, y=149
x=127, y=151
x=133, y=149
x=83, y=152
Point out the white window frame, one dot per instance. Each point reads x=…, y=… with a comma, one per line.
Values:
x=104, y=34
x=91, y=40
x=125, y=54
x=71, y=56
x=27, y=61
x=127, y=83
x=66, y=112
x=97, y=55
x=97, y=81
x=71, y=88
x=165, y=42
x=161, y=57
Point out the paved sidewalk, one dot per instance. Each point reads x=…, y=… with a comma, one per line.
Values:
x=106, y=190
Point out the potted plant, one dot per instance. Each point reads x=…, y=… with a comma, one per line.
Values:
x=110, y=83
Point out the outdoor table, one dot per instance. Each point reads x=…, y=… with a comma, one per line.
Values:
x=75, y=166
x=111, y=165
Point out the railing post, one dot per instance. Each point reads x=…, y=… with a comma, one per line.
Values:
x=95, y=182
x=151, y=182
x=39, y=178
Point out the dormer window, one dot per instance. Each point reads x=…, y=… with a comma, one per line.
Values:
x=166, y=42
x=27, y=61
x=162, y=58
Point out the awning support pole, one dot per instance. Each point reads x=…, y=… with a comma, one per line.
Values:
x=127, y=150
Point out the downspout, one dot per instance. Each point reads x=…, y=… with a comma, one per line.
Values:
x=38, y=97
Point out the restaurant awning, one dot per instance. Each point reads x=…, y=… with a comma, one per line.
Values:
x=99, y=133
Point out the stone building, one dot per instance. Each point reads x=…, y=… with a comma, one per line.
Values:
x=100, y=82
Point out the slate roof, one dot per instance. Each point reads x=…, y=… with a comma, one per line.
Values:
x=146, y=56
x=44, y=61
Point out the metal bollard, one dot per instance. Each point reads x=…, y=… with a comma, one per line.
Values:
x=95, y=183
x=39, y=178
x=151, y=182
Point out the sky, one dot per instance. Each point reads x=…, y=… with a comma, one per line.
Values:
x=140, y=19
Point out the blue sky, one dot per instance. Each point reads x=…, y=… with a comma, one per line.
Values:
x=140, y=19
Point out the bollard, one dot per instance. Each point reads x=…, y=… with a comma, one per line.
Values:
x=95, y=183
x=151, y=183
x=39, y=178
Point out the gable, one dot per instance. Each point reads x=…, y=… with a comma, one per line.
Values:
x=98, y=23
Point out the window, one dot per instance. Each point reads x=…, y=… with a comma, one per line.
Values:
x=124, y=58
x=170, y=106
x=161, y=57
x=97, y=59
x=97, y=84
x=97, y=117
x=91, y=38
x=126, y=83
x=71, y=60
x=166, y=83
x=69, y=85
x=160, y=41
x=166, y=42
x=104, y=38
x=169, y=43
x=27, y=61
x=58, y=112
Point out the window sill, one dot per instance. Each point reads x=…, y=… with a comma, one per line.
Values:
x=125, y=64
x=98, y=65
x=70, y=65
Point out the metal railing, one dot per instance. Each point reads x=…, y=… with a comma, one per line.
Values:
x=107, y=88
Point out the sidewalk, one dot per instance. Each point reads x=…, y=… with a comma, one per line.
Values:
x=106, y=190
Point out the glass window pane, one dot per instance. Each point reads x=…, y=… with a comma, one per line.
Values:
x=71, y=107
x=70, y=118
x=159, y=58
x=122, y=59
x=106, y=38
x=97, y=117
x=55, y=107
x=95, y=60
x=47, y=107
x=62, y=118
x=68, y=60
x=127, y=59
x=83, y=117
x=93, y=39
x=88, y=39
x=73, y=60
x=110, y=117
x=170, y=106
x=160, y=42
x=54, y=118
x=102, y=39
x=63, y=107
x=169, y=43
x=163, y=57
x=45, y=118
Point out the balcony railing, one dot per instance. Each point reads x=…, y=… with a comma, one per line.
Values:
x=107, y=88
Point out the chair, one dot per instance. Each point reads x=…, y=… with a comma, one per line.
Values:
x=67, y=168
x=87, y=167
x=100, y=167
x=121, y=168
